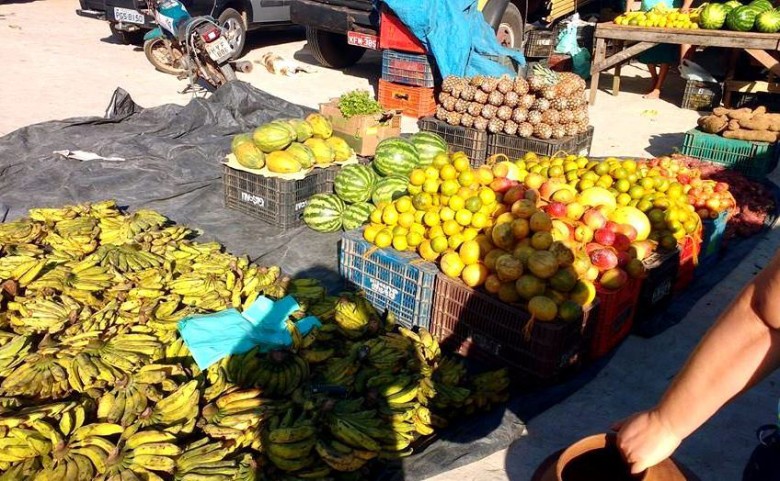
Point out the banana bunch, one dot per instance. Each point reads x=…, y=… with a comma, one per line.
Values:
x=123, y=229
x=24, y=415
x=24, y=471
x=130, y=396
x=340, y=371
x=157, y=241
x=341, y=457
x=51, y=215
x=24, y=250
x=83, y=455
x=23, y=443
x=450, y=371
x=77, y=226
x=71, y=246
x=127, y=257
x=21, y=268
x=324, y=308
x=177, y=412
x=236, y=415
x=277, y=373
x=353, y=314
x=489, y=388
x=204, y=460
x=41, y=315
x=141, y=453
x=218, y=380
x=290, y=442
x=21, y=232
x=41, y=375
x=359, y=430
x=13, y=351
x=307, y=290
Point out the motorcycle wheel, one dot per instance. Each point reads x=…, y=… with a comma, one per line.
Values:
x=165, y=58
x=217, y=75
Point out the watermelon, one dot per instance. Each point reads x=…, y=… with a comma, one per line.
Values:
x=389, y=189
x=356, y=215
x=741, y=19
x=273, y=136
x=395, y=156
x=428, y=145
x=355, y=183
x=732, y=4
x=713, y=16
x=768, y=22
x=323, y=212
x=761, y=5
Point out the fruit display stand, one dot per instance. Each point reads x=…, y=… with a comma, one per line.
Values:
x=753, y=159
x=758, y=45
x=400, y=282
x=480, y=326
x=468, y=140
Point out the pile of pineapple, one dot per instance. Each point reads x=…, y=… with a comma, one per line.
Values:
x=548, y=105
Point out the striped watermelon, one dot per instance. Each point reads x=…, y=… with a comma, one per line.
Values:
x=428, y=145
x=389, y=189
x=323, y=212
x=395, y=156
x=356, y=215
x=354, y=183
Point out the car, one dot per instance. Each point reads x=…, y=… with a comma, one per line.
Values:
x=129, y=19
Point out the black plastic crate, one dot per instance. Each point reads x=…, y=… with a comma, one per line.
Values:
x=468, y=140
x=273, y=200
x=702, y=96
x=539, y=43
x=756, y=99
x=409, y=68
x=515, y=147
x=657, y=289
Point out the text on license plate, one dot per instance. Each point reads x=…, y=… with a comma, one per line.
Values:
x=363, y=40
x=128, y=15
x=218, y=49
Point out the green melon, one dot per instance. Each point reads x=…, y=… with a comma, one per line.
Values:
x=240, y=139
x=389, y=189
x=741, y=19
x=428, y=145
x=323, y=213
x=273, y=136
x=713, y=16
x=355, y=183
x=768, y=22
x=302, y=128
x=356, y=215
x=761, y=5
x=302, y=154
x=395, y=156
x=248, y=155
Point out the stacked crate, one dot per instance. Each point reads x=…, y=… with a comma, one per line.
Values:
x=408, y=72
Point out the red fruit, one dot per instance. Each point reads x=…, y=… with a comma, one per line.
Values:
x=613, y=279
x=501, y=184
x=622, y=243
x=721, y=187
x=594, y=219
x=556, y=209
x=628, y=230
x=592, y=246
x=623, y=258
x=604, y=259
x=613, y=226
x=684, y=179
x=604, y=236
x=513, y=194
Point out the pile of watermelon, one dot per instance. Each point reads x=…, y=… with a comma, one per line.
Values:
x=358, y=189
x=758, y=15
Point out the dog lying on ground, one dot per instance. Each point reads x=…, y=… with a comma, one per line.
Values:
x=280, y=66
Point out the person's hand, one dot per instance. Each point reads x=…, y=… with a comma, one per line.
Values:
x=645, y=440
x=685, y=10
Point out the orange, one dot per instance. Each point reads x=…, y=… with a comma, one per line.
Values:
x=439, y=244
x=469, y=252
x=463, y=216
x=431, y=218
x=451, y=227
x=466, y=178
x=445, y=214
x=383, y=238
x=456, y=203
x=400, y=243
x=448, y=172
x=451, y=264
x=417, y=177
x=474, y=275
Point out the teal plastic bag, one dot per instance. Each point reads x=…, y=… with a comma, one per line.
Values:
x=210, y=337
x=567, y=44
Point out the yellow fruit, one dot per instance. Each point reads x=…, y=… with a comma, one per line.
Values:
x=414, y=239
x=376, y=216
x=399, y=242
x=469, y=252
x=479, y=220
x=414, y=189
x=371, y=231
x=404, y=204
x=418, y=228
x=439, y=244
x=584, y=293
x=422, y=201
x=436, y=231
x=448, y=172
x=487, y=195
x=282, y=162
x=440, y=160
x=461, y=163
x=390, y=215
x=406, y=219
x=426, y=251
x=455, y=241
x=469, y=233
x=473, y=204
x=474, y=275
x=431, y=218
x=449, y=187
x=417, y=177
x=451, y=227
x=456, y=203
x=505, y=218
x=463, y=217
x=445, y=214
x=384, y=238
x=466, y=178
x=484, y=175
x=431, y=186
x=399, y=230
x=451, y=264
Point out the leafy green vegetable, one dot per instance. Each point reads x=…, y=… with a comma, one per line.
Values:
x=358, y=102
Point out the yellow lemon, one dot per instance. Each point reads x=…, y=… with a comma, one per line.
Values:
x=384, y=238
x=487, y=195
x=456, y=203
x=398, y=230
x=469, y=252
x=473, y=204
x=426, y=251
x=417, y=177
x=431, y=172
x=404, y=204
x=400, y=243
x=439, y=244
x=431, y=218
x=406, y=219
x=479, y=220
x=445, y=214
x=441, y=160
x=451, y=227
x=376, y=216
x=469, y=233
x=463, y=216
x=371, y=231
x=435, y=231
x=431, y=186
x=451, y=265
x=484, y=175
x=474, y=275
x=390, y=215
x=417, y=228
x=414, y=189
x=461, y=163
x=455, y=241
x=414, y=239
x=449, y=187
x=466, y=178
x=448, y=172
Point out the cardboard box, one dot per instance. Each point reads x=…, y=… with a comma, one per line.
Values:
x=362, y=132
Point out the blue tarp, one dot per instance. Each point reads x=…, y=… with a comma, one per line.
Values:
x=457, y=35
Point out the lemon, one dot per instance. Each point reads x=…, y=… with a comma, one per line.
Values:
x=376, y=216
x=469, y=233
x=426, y=251
x=463, y=216
x=479, y=220
x=445, y=214
x=473, y=204
x=406, y=219
x=431, y=218
x=417, y=228
x=414, y=189
x=431, y=172
x=384, y=238
x=417, y=177
x=435, y=231
x=451, y=227
x=461, y=163
x=422, y=201
x=456, y=203
x=448, y=172
x=469, y=252
x=371, y=231
x=431, y=186
x=390, y=215
x=404, y=204
x=398, y=230
x=400, y=243
x=451, y=265
x=449, y=187
x=474, y=275
x=466, y=178
x=414, y=239
x=439, y=244
x=455, y=241
x=440, y=160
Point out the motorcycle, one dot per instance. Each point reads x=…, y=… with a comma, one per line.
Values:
x=186, y=46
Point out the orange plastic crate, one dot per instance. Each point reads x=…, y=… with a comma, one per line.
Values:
x=394, y=35
x=414, y=101
x=615, y=317
x=689, y=259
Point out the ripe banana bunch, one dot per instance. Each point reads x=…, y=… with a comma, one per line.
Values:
x=218, y=380
x=353, y=314
x=178, y=411
x=20, y=232
x=22, y=269
x=127, y=351
x=24, y=471
x=341, y=457
x=41, y=375
x=29, y=414
x=490, y=388
x=360, y=430
x=12, y=353
x=278, y=289
x=41, y=315
x=204, y=460
x=88, y=275
x=341, y=371
x=401, y=391
x=234, y=413
x=290, y=442
x=156, y=241
x=22, y=443
x=386, y=354
x=140, y=453
x=24, y=250
x=71, y=246
x=254, y=282
x=51, y=215
x=122, y=406
x=77, y=226
x=123, y=229
x=316, y=355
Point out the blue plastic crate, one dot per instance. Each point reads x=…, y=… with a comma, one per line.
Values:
x=400, y=282
x=711, y=241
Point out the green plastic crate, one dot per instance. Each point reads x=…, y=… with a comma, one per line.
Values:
x=754, y=159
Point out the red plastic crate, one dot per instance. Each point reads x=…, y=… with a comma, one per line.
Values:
x=393, y=34
x=615, y=318
x=414, y=101
x=689, y=259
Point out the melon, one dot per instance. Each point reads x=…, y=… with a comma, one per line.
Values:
x=302, y=154
x=249, y=156
x=634, y=217
x=240, y=139
x=355, y=183
x=324, y=212
x=320, y=126
x=389, y=189
x=282, y=162
x=271, y=137
x=356, y=215
x=341, y=149
x=395, y=156
x=428, y=145
x=303, y=130
x=323, y=154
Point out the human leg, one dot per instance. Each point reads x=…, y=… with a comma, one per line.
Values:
x=659, y=79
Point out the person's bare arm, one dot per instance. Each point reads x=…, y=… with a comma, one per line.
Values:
x=630, y=5
x=738, y=351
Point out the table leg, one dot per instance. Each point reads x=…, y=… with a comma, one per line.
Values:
x=595, y=72
x=732, y=68
x=616, y=77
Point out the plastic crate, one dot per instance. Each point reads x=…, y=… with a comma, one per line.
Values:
x=515, y=147
x=271, y=199
x=400, y=282
x=479, y=326
x=756, y=99
x=539, y=43
x=711, y=242
x=409, y=68
x=468, y=140
x=753, y=159
x=656, y=292
x=615, y=317
x=414, y=101
x=689, y=259
x=702, y=95
x=394, y=35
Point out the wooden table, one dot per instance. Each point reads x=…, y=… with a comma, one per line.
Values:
x=757, y=45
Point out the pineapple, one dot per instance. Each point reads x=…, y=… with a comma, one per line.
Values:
x=539, y=104
x=504, y=113
x=441, y=113
x=545, y=74
x=559, y=103
x=474, y=109
x=449, y=103
x=461, y=106
x=536, y=83
x=519, y=115
x=582, y=126
x=468, y=93
x=581, y=115
x=481, y=123
x=504, y=84
x=551, y=117
x=467, y=120
x=543, y=131
x=527, y=100
x=511, y=99
x=549, y=93
x=567, y=117
x=449, y=83
x=534, y=117
x=558, y=131
x=525, y=130
x=481, y=97
x=495, y=126
x=510, y=127
x=496, y=98
x=457, y=90
x=489, y=111
x=453, y=118
x=444, y=96
x=476, y=80
x=489, y=84
x=572, y=129
x=521, y=86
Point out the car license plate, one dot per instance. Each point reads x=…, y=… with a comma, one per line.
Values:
x=363, y=40
x=128, y=15
x=219, y=49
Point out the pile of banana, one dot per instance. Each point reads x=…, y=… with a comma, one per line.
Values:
x=96, y=384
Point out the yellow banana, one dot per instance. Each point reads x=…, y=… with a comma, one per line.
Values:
x=148, y=437
x=97, y=429
x=291, y=435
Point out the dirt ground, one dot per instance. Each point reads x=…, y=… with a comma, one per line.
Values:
x=57, y=65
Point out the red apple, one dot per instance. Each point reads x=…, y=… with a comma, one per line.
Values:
x=556, y=209
x=604, y=259
x=604, y=236
x=621, y=242
x=501, y=184
x=721, y=187
x=613, y=226
x=627, y=230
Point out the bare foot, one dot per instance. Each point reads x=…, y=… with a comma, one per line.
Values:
x=653, y=94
